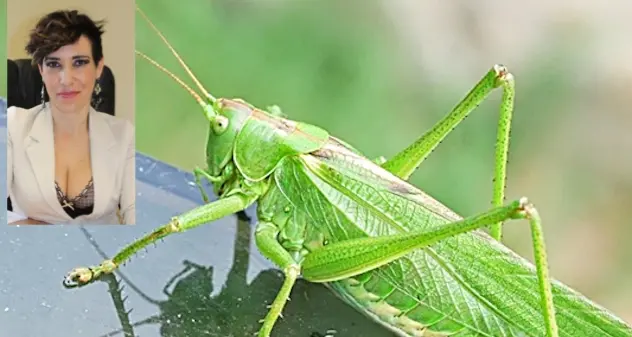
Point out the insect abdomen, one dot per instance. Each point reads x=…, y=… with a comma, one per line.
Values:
x=469, y=280
x=401, y=312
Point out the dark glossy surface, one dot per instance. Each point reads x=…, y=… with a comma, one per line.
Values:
x=210, y=281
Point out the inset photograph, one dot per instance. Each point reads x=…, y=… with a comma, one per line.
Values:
x=3, y=106
x=70, y=140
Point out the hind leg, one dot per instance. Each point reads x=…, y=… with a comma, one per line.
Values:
x=404, y=163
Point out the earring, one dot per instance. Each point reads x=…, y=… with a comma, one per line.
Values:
x=96, y=98
x=43, y=102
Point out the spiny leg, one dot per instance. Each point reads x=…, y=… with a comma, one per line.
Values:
x=199, y=174
x=349, y=258
x=116, y=292
x=407, y=161
x=266, y=239
x=193, y=218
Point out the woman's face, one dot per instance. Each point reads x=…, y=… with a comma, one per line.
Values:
x=69, y=75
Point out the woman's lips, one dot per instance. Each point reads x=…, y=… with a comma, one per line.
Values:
x=68, y=94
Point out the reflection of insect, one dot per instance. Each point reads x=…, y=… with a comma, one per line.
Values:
x=330, y=215
x=192, y=308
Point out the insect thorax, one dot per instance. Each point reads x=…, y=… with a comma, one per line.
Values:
x=231, y=181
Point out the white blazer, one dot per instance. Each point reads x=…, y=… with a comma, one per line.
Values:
x=31, y=167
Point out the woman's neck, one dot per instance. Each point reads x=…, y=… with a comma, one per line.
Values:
x=70, y=123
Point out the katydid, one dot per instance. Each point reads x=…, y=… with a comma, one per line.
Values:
x=330, y=215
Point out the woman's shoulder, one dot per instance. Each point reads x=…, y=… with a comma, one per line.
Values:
x=18, y=113
x=119, y=126
x=21, y=118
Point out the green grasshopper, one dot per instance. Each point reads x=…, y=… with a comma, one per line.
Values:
x=330, y=215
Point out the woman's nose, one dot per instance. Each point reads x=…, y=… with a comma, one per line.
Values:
x=66, y=76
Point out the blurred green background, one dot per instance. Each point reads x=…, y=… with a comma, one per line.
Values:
x=380, y=73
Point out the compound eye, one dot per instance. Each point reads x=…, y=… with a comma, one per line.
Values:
x=219, y=124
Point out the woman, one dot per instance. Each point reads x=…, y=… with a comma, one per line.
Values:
x=67, y=162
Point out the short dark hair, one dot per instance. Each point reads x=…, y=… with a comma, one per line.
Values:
x=61, y=28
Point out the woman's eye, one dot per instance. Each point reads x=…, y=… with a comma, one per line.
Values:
x=52, y=64
x=79, y=63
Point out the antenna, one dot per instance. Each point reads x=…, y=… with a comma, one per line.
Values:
x=208, y=109
x=184, y=85
x=175, y=53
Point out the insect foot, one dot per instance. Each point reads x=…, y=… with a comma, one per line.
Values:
x=502, y=74
x=82, y=276
x=526, y=209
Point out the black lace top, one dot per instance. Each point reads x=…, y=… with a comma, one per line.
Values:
x=81, y=204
